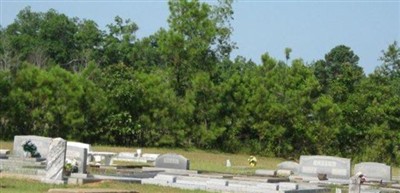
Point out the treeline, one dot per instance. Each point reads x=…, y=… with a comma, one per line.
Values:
x=65, y=77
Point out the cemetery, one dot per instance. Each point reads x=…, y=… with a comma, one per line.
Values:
x=57, y=161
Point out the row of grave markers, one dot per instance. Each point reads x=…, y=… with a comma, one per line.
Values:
x=308, y=168
x=336, y=169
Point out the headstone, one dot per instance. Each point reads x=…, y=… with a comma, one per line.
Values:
x=265, y=172
x=150, y=156
x=284, y=173
x=55, y=161
x=42, y=144
x=79, y=144
x=126, y=155
x=374, y=171
x=139, y=152
x=289, y=165
x=228, y=163
x=78, y=154
x=333, y=167
x=173, y=161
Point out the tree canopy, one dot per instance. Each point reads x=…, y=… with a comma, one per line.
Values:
x=179, y=87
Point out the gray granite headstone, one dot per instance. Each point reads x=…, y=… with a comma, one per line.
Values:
x=333, y=167
x=78, y=154
x=173, y=161
x=374, y=171
x=41, y=143
x=289, y=165
x=56, y=161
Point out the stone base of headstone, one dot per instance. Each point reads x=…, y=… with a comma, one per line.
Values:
x=265, y=172
x=22, y=167
x=170, y=171
x=285, y=173
x=26, y=159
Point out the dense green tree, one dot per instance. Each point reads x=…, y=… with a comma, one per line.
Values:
x=146, y=55
x=88, y=40
x=391, y=61
x=44, y=102
x=143, y=106
x=339, y=72
x=118, y=43
x=204, y=126
x=234, y=93
x=199, y=35
x=64, y=77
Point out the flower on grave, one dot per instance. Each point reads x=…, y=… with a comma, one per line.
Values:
x=30, y=148
x=71, y=165
x=252, y=161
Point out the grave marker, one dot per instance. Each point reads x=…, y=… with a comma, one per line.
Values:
x=42, y=144
x=55, y=161
x=289, y=165
x=333, y=167
x=173, y=161
x=374, y=171
x=78, y=154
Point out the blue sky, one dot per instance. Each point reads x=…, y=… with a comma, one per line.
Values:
x=311, y=28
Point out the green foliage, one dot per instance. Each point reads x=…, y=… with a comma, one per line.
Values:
x=63, y=77
x=391, y=61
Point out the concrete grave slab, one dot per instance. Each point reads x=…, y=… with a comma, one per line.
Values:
x=287, y=186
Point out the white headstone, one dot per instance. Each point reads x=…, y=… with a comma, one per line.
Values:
x=374, y=171
x=78, y=154
x=228, y=163
x=139, y=152
x=56, y=161
x=41, y=143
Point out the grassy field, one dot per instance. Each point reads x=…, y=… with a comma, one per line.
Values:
x=207, y=161
x=19, y=185
x=203, y=161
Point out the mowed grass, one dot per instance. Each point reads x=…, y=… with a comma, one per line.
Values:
x=205, y=161
x=20, y=185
